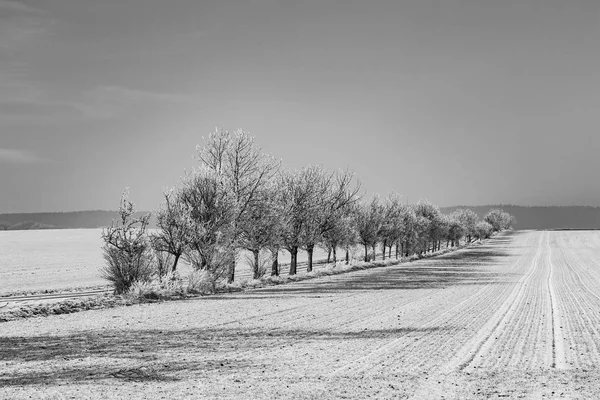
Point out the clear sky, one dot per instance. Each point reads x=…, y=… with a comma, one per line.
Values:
x=460, y=102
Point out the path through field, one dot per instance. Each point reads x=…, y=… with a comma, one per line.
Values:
x=517, y=317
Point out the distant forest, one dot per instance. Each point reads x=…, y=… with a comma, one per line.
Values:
x=569, y=217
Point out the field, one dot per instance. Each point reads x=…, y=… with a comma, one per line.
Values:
x=69, y=258
x=516, y=317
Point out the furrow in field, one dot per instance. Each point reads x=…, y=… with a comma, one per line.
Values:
x=446, y=328
x=558, y=347
x=477, y=350
x=579, y=306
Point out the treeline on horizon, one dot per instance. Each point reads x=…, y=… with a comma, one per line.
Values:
x=527, y=217
x=238, y=198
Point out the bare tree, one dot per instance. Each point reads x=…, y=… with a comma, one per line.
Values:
x=435, y=226
x=368, y=221
x=262, y=225
x=208, y=218
x=244, y=170
x=299, y=203
x=468, y=220
x=334, y=192
x=499, y=220
x=341, y=235
x=392, y=225
x=456, y=230
x=172, y=222
x=483, y=230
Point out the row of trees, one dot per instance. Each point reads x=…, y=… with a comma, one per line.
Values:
x=239, y=198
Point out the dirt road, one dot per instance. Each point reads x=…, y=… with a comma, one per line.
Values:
x=518, y=317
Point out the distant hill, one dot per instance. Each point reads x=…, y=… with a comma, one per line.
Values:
x=30, y=225
x=567, y=217
x=66, y=220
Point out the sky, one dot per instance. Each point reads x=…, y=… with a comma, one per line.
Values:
x=458, y=102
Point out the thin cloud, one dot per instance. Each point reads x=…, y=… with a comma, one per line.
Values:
x=18, y=6
x=16, y=156
x=31, y=107
x=110, y=101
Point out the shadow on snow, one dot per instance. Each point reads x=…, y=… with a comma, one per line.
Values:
x=155, y=355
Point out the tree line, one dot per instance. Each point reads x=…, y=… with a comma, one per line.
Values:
x=239, y=198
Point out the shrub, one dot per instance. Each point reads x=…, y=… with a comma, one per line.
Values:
x=123, y=269
x=163, y=262
x=201, y=282
x=127, y=250
x=161, y=287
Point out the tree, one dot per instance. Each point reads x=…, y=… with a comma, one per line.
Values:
x=172, y=222
x=456, y=230
x=408, y=237
x=244, y=171
x=334, y=193
x=300, y=202
x=127, y=248
x=261, y=228
x=208, y=210
x=499, y=220
x=468, y=220
x=392, y=226
x=483, y=230
x=368, y=221
x=435, y=225
x=341, y=235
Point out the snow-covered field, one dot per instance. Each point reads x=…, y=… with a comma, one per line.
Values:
x=69, y=258
x=517, y=317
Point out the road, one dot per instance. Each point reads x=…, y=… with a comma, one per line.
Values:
x=517, y=317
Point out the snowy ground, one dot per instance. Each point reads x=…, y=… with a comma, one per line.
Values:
x=517, y=317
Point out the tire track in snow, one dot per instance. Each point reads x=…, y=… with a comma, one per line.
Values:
x=558, y=346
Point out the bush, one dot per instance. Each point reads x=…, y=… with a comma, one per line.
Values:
x=127, y=250
x=164, y=262
x=162, y=287
x=201, y=282
x=123, y=269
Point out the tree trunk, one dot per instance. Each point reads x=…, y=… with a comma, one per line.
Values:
x=231, y=272
x=334, y=255
x=347, y=256
x=366, y=253
x=255, y=267
x=374, y=251
x=294, y=260
x=390, y=250
x=383, y=245
x=310, y=250
x=275, y=265
x=329, y=256
x=174, y=268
